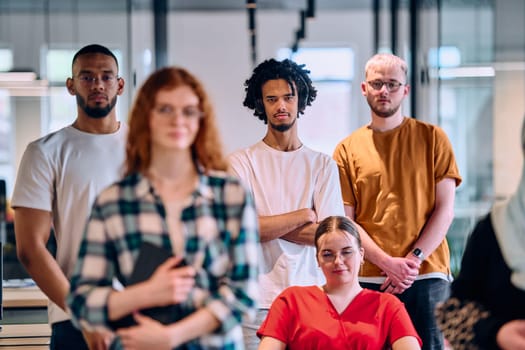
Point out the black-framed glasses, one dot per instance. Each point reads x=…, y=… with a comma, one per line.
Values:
x=108, y=80
x=391, y=86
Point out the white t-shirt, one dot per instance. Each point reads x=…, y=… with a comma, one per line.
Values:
x=62, y=173
x=282, y=182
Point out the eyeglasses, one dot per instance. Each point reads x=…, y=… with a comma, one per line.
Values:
x=391, y=86
x=328, y=256
x=188, y=113
x=88, y=79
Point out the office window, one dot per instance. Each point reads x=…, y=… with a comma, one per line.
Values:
x=327, y=120
x=62, y=107
x=463, y=65
x=6, y=60
x=6, y=134
x=5, y=128
x=58, y=65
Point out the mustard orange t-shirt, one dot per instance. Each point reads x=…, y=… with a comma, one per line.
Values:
x=390, y=179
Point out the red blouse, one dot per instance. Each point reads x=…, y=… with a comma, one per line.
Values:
x=304, y=318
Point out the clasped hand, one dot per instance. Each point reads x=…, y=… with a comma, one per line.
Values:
x=98, y=340
x=401, y=273
x=146, y=335
x=170, y=284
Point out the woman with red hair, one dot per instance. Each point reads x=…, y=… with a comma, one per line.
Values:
x=175, y=196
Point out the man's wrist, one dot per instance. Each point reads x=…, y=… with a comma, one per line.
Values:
x=418, y=253
x=383, y=260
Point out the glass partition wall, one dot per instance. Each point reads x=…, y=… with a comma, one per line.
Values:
x=466, y=63
x=464, y=67
x=37, y=42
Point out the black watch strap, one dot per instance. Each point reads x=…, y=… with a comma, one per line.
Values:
x=419, y=254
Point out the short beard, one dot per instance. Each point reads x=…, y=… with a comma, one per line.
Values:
x=96, y=112
x=384, y=114
x=282, y=127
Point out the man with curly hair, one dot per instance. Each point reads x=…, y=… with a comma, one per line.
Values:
x=294, y=187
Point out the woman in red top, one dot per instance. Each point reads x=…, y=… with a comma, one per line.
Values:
x=339, y=314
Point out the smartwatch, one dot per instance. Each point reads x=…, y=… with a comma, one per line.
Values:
x=419, y=254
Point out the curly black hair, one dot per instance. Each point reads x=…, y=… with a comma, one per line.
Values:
x=295, y=74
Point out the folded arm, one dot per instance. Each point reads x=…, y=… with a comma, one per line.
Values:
x=298, y=226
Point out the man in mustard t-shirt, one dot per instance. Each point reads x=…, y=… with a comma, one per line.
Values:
x=398, y=178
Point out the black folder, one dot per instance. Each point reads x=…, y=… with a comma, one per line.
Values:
x=150, y=257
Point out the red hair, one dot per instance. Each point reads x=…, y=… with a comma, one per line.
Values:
x=207, y=147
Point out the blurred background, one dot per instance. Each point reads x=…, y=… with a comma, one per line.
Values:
x=466, y=69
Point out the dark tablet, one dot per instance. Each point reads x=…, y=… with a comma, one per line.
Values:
x=150, y=257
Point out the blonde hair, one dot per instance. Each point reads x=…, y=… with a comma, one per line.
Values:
x=388, y=60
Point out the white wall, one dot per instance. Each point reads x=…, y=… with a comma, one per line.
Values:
x=509, y=92
x=215, y=47
x=29, y=35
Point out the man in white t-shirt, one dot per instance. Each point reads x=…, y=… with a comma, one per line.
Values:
x=294, y=187
x=59, y=176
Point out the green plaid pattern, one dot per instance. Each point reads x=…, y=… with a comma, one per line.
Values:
x=220, y=224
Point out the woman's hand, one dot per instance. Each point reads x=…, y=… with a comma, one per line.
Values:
x=148, y=334
x=512, y=335
x=170, y=284
x=99, y=340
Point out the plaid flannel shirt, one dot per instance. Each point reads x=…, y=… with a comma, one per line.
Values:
x=220, y=224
